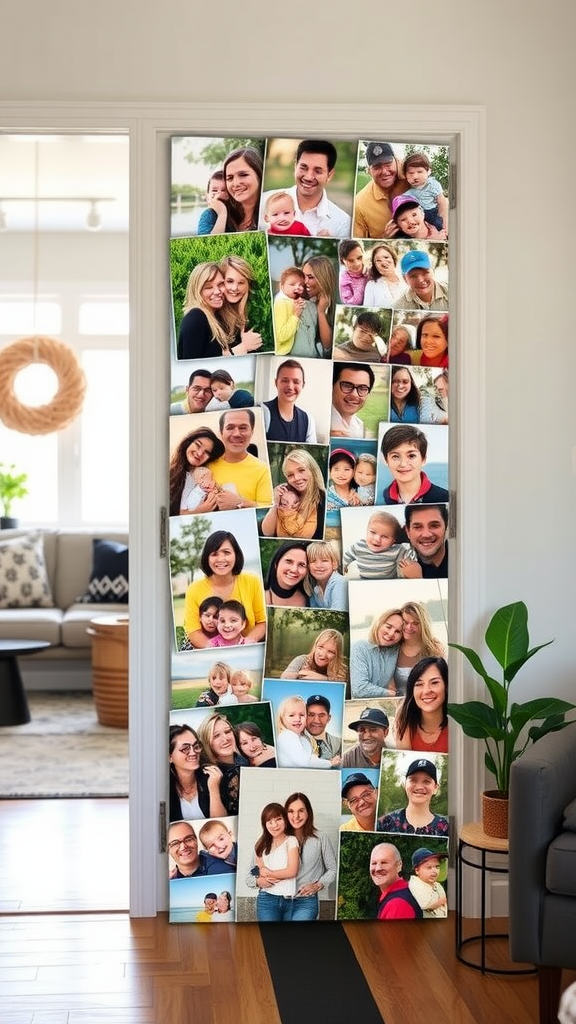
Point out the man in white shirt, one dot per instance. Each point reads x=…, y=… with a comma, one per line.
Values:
x=352, y=383
x=313, y=170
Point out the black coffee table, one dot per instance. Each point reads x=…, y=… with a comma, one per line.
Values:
x=14, y=708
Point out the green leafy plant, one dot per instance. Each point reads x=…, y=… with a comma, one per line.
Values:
x=503, y=725
x=12, y=486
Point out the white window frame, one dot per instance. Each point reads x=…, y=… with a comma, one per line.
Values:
x=149, y=127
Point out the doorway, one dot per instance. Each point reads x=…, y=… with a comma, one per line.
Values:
x=64, y=202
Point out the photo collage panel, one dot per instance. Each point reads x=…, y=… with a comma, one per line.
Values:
x=309, y=504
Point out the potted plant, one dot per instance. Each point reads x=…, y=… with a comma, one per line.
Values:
x=505, y=726
x=12, y=486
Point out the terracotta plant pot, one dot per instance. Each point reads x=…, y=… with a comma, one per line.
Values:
x=495, y=813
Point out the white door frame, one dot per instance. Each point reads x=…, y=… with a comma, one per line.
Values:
x=149, y=126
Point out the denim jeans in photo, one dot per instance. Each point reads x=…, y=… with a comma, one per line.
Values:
x=305, y=908
x=273, y=908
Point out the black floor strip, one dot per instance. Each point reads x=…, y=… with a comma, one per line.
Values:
x=316, y=976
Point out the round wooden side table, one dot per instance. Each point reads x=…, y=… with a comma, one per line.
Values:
x=109, y=635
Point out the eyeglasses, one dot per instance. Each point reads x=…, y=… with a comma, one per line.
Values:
x=187, y=747
x=347, y=387
x=362, y=796
x=200, y=391
x=186, y=841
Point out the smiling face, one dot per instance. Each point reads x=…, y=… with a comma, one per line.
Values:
x=389, y=632
x=410, y=627
x=198, y=393
x=312, y=175
x=441, y=385
x=222, y=904
x=354, y=261
x=365, y=473
x=363, y=337
x=280, y=214
x=218, y=681
x=322, y=567
x=380, y=535
x=289, y=383
x=427, y=533
x=405, y=463
x=410, y=220
x=371, y=740
x=241, y=685
x=230, y=624
x=384, y=174
x=341, y=472
x=183, y=847
x=385, y=865
x=236, y=431
x=186, y=753
x=242, y=181
x=400, y=385
x=325, y=650
x=223, y=560
x=349, y=403
x=421, y=281
x=420, y=789
x=317, y=718
x=293, y=286
x=297, y=814
x=311, y=283
x=433, y=340
x=220, y=843
x=199, y=451
x=212, y=293
x=362, y=802
x=276, y=826
x=223, y=742
x=430, y=689
x=294, y=717
x=236, y=286
x=291, y=568
x=251, y=746
x=399, y=340
x=299, y=477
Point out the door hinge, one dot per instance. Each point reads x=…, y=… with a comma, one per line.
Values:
x=163, y=532
x=452, y=515
x=162, y=826
x=452, y=187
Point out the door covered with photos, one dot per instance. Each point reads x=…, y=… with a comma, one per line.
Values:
x=308, y=738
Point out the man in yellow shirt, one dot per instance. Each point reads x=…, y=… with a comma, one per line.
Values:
x=360, y=797
x=249, y=475
x=372, y=206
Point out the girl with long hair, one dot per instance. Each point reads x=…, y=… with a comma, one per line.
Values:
x=404, y=396
x=372, y=661
x=321, y=282
x=303, y=474
x=421, y=722
x=317, y=858
x=194, y=781
x=239, y=280
x=385, y=285
x=418, y=641
x=432, y=340
x=325, y=583
x=251, y=743
x=243, y=178
x=295, y=749
x=199, y=448
x=209, y=323
x=276, y=863
x=325, y=660
x=284, y=583
x=217, y=736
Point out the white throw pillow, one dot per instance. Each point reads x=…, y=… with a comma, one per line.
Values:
x=23, y=577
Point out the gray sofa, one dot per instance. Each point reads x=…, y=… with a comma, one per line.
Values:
x=66, y=663
x=542, y=861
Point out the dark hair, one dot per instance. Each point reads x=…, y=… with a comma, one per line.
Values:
x=215, y=176
x=179, y=463
x=249, y=413
x=292, y=364
x=215, y=541
x=346, y=246
x=327, y=149
x=254, y=160
x=175, y=732
x=373, y=272
x=404, y=433
x=411, y=510
x=442, y=321
x=416, y=160
x=308, y=828
x=223, y=376
x=271, y=576
x=209, y=602
x=198, y=373
x=370, y=320
x=408, y=715
x=233, y=606
x=342, y=455
x=338, y=368
x=264, y=843
x=413, y=396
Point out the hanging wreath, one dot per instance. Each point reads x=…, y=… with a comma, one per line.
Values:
x=67, y=402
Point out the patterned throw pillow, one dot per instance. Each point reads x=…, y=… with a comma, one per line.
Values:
x=109, y=576
x=23, y=577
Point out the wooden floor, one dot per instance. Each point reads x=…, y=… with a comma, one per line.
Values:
x=104, y=968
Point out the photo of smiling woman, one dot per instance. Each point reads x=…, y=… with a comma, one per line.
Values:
x=189, y=489
x=421, y=786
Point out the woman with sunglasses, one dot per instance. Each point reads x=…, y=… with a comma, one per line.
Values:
x=195, y=784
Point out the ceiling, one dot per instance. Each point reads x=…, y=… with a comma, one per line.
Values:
x=64, y=182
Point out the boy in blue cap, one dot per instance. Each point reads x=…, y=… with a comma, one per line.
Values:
x=424, y=291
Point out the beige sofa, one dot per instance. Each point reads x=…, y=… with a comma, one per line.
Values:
x=66, y=663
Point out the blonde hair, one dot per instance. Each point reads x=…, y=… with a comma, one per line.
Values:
x=209, y=827
x=431, y=647
x=337, y=668
x=222, y=326
x=291, y=272
x=317, y=549
x=315, y=492
x=325, y=274
x=387, y=519
x=242, y=266
x=206, y=732
x=274, y=198
x=378, y=622
x=240, y=674
x=283, y=707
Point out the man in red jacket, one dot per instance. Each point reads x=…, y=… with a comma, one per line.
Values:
x=396, y=901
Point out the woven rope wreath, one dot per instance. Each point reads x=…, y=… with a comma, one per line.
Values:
x=67, y=402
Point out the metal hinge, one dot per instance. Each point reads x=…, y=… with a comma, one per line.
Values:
x=452, y=187
x=452, y=515
x=162, y=826
x=163, y=532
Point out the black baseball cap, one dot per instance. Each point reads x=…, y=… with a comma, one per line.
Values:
x=356, y=779
x=423, y=765
x=379, y=153
x=372, y=716
x=318, y=698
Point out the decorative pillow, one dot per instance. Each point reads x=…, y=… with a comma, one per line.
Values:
x=570, y=817
x=109, y=575
x=23, y=577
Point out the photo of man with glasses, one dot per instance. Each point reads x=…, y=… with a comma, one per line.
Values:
x=351, y=385
x=198, y=394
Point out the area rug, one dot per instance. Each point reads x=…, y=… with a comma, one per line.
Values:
x=63, y=751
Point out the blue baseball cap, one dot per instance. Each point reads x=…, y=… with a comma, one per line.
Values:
x=413, y=260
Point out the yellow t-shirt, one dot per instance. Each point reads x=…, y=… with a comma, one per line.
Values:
x=247, y=589
x=251, y=477
x=353, y=826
